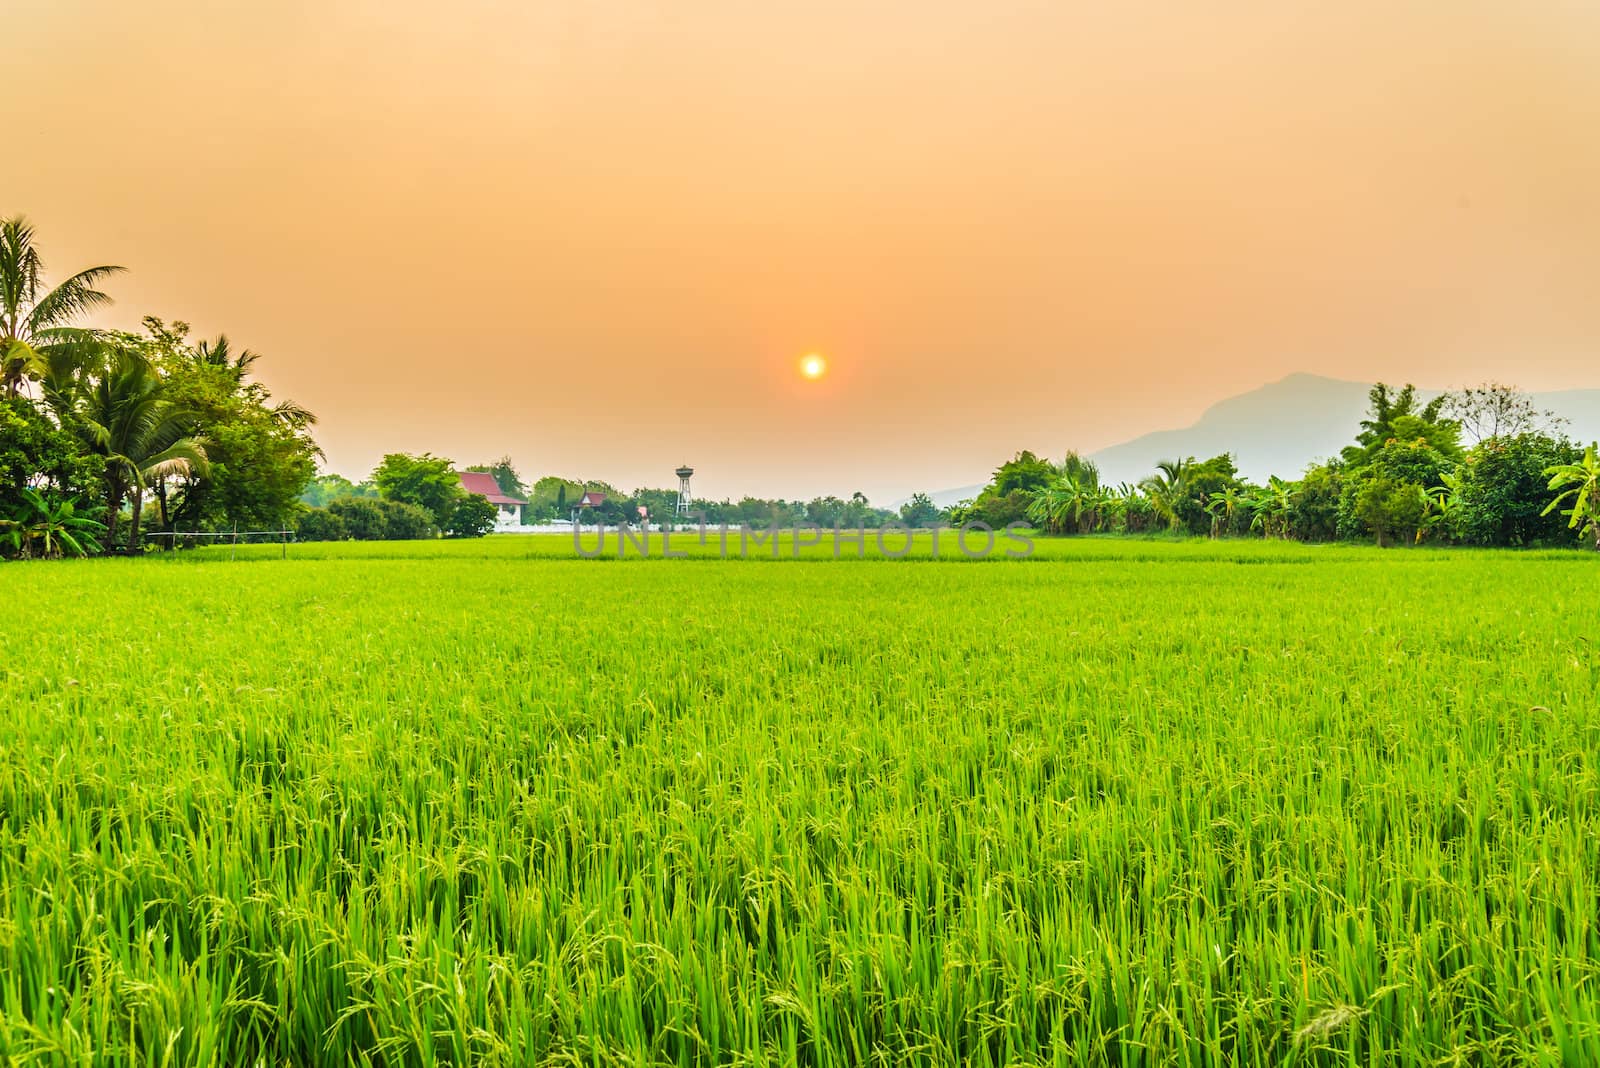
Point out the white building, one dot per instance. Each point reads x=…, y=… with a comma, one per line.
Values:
x=508, y=509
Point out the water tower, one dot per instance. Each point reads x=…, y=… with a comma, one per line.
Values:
x=683, y=490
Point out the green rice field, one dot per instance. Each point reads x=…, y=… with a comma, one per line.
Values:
x=1121, y=803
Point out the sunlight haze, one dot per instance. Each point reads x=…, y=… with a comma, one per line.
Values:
x=599, y=236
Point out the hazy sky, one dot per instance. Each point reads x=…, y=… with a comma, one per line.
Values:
x=598, y=236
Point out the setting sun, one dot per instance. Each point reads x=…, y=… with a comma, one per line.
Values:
x=813, y=366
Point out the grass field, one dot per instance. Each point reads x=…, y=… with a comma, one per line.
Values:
x=1122, y=803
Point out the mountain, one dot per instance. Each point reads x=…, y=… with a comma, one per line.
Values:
x=1275, y=430
x=1285, y=425
x=1282, y=427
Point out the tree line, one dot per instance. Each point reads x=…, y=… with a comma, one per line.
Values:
x=339, y=508
x=108, y=434
x=1481, y=466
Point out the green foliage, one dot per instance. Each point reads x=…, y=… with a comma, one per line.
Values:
x=995, y=510
x=381, y=519
x=473, y=517
x=427, y=481
x=1025, y=472
x=320, y=524
x=48, y=527
x=1314, y=506
x=1504, y=492
x=1580, y=486
x=330, y=487
x=260, y=455
x=36, y=451
x=920, y=511
x=139, y=432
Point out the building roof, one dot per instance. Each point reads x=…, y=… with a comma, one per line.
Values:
x=483, y=484
x=592, y=500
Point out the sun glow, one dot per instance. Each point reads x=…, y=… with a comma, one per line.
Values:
x=813, y=366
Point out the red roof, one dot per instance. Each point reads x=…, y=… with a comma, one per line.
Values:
x=483, y=484
x=592, y=500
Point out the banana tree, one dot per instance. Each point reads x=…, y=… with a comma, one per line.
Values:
x=1582, y=482
x=49, y=528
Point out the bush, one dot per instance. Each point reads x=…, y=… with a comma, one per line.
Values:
x=406, y=522
x=363, y=517
x=376, y=519
x=320, y=524
x=473, y=517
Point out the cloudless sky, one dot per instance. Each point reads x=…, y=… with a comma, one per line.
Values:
x=598, y=236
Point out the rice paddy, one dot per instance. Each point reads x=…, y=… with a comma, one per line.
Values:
x=1122, y=803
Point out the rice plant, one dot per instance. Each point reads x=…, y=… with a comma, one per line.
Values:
x=1123, y=803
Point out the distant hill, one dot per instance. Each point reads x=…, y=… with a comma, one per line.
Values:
x=1282, y=427
x=1285, y=425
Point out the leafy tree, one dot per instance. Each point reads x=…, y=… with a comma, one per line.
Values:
x=362, y=518
x=1391, y=510
x=380, y=519
x=330, y=487
x=1580, y=483
x=1314, y=507
x=994, y=509
x=1502, y=493
x=34, y=451
x=505, y=476
x=1025, y=472
x=140, y=433
x=427, y=481
x=1387, y=407
x=320, y=524
x=35, y=322
x=260, y=454
x=920, y=511
x=473, y=518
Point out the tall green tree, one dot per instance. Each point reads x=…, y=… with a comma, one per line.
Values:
x=141, y=434
x=260, y=453
x=37, y=321
x=427, y=481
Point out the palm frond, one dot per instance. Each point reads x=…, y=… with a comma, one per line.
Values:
x=75, y=297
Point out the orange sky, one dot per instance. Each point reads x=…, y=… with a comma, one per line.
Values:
x=597, y=236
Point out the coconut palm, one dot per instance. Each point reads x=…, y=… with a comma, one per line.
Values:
x=1168, y=489
x=36, y=322
x=1065, y=501
x=1582, y=482
x=141, y=434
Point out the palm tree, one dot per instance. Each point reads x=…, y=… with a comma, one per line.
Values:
x=1583, y=482
x=1168, y=489
x=54, y=526
x=35, y=321
x=141, y=434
